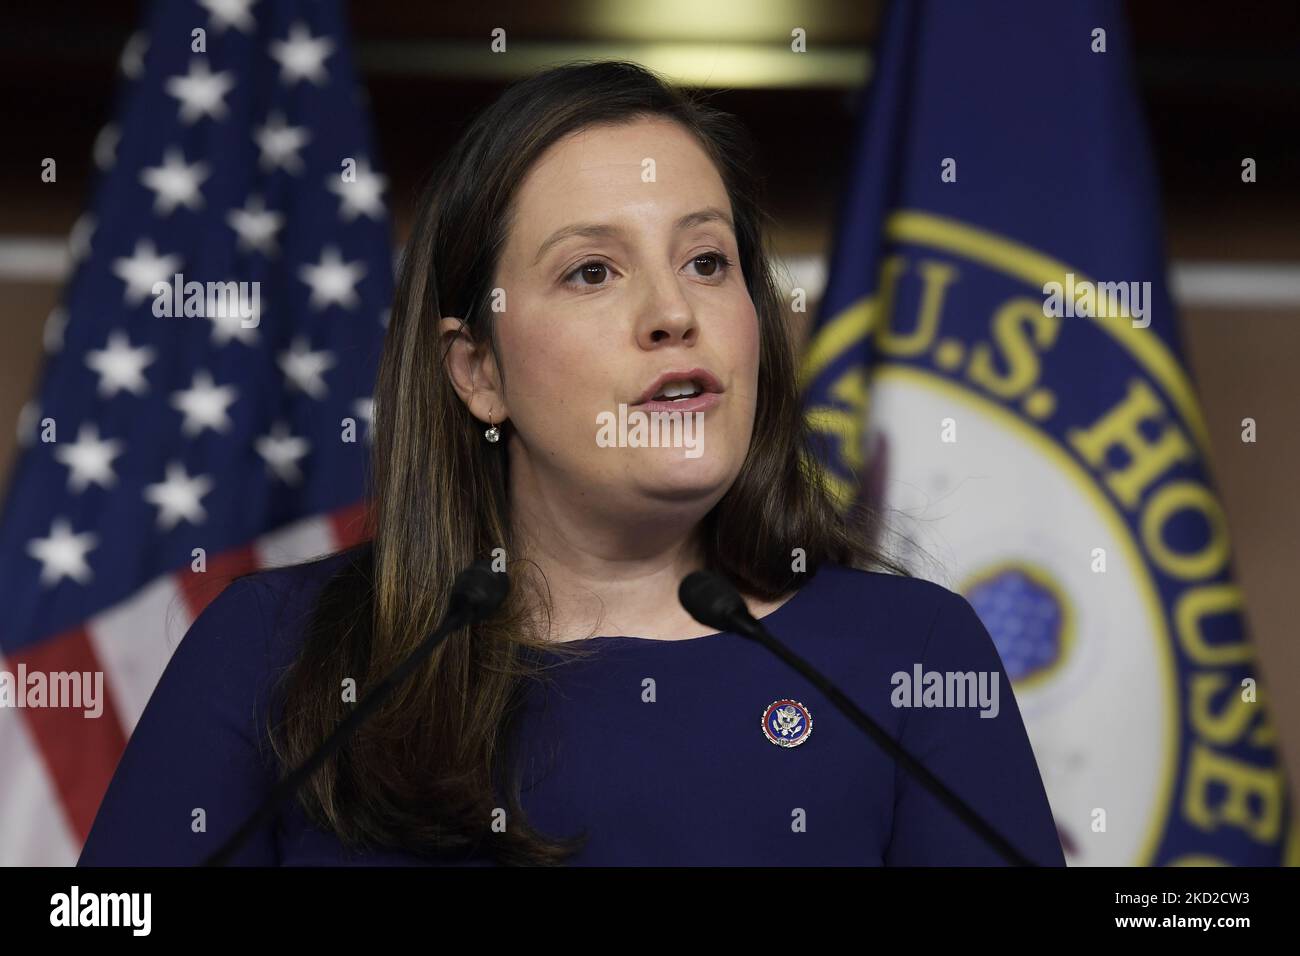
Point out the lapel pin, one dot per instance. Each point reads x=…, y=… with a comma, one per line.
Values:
x=787, y=723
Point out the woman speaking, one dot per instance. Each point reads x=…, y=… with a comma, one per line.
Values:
x=592, y=252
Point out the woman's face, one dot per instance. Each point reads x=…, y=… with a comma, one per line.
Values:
x=594, y=315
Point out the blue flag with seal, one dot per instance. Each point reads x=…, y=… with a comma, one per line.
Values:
x=996, y=365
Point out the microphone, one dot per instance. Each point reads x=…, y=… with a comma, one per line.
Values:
x=477, y=593
x=711, y=599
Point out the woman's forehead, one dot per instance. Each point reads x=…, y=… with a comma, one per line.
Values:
x=641, y=172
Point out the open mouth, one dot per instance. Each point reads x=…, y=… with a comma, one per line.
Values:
x=678, y=391
x=686, y=386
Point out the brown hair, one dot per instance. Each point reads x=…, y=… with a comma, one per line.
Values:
x=427, y=771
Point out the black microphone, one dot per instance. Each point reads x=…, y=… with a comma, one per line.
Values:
x=477, y=593
x=711, y=600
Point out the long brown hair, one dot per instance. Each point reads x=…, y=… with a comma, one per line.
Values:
x=427, y=772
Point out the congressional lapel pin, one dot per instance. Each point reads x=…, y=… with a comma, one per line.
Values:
x=787, y=723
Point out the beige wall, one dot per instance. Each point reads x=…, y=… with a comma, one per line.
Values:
x=1245, y=366
x=23, y=308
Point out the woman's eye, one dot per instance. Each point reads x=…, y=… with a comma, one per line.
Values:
x=716, y=262
x=592, y=272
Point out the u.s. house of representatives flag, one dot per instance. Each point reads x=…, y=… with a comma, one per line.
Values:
x=204, y=409
x=997, y=312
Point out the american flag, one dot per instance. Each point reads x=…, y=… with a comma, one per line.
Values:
x=166, y=453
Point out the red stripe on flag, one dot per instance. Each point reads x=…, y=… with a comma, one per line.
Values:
x=350, y=525
x=80, y=752
x=199, y=588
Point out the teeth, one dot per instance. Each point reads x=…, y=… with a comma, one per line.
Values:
x=678, y=389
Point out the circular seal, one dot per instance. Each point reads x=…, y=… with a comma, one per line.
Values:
x=787, y=723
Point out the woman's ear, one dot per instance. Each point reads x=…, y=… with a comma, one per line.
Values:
x=472, y=369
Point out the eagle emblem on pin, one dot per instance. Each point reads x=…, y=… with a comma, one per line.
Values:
x=787, y=723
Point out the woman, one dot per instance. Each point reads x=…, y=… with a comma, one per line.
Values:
x=594, y=241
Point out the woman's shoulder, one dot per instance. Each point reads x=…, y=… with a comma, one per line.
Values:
x=898, y=596
x=265, y=614
x=296, y=586
x=895, y=613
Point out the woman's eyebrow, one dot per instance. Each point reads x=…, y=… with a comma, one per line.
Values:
x=592, y=230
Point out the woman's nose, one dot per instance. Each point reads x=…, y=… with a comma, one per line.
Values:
x=667, y=314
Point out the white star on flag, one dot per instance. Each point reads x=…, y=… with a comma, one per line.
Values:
x=88, y=459
x=63, y=554
x=132, y=59
x=302, y=56
x=229, y=13
x=332, y=280
x=361, y=196
x=55, y=324
x=28, y=418
x=175, y=183
x=79, y=237
x=281, y=451
x=119, y=366
x=200, y=91
x=364, y=409
x=256, y=226
x=105, y=149
x=177, y=497
x=230, y=327
x=279, y=144
x=142, y=269
x=204, y=404
x=303, y=368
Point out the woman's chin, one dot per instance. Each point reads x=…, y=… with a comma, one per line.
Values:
x=667, y=473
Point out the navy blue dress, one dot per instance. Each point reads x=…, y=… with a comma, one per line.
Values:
x=656, y=748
